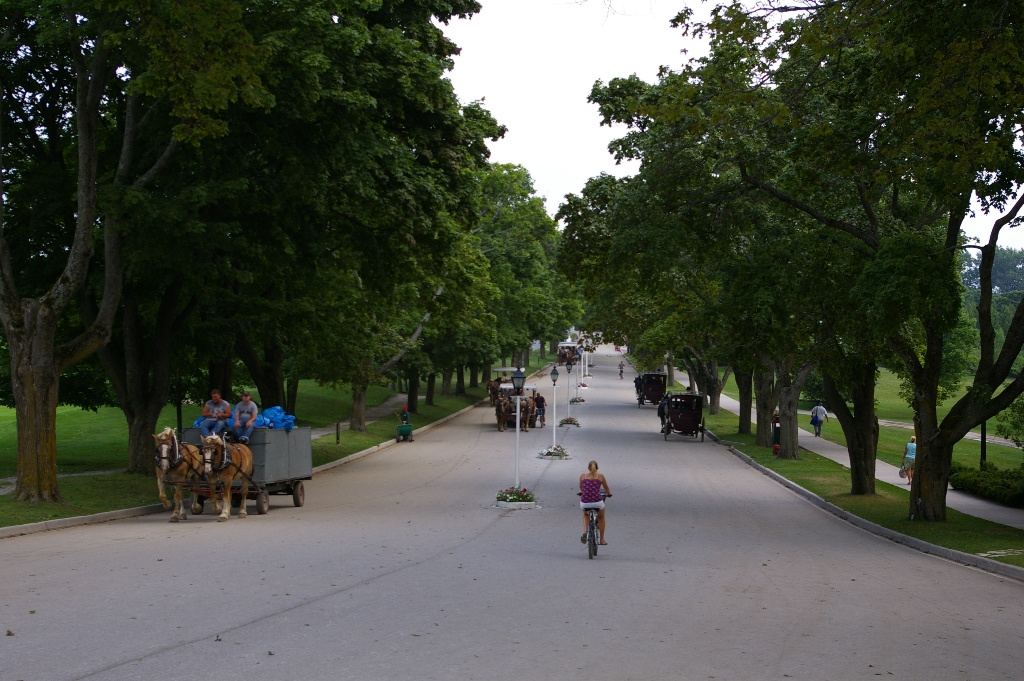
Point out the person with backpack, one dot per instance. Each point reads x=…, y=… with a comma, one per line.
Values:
x=819, y=415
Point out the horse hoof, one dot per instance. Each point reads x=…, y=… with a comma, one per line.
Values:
x=173, y=519
x=222, y=518
x=167, y=505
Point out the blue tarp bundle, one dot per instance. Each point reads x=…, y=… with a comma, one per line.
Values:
x=273, y=417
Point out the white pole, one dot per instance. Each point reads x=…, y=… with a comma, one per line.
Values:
x=554, y=414
x=517, y=440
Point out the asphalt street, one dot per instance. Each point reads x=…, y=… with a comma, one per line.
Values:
x=400, y=566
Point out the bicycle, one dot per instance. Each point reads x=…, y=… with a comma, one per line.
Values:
x=593, y=537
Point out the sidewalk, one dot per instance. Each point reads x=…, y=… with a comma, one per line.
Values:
x=960, y=501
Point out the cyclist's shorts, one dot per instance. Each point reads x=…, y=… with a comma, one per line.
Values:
x=591, y=504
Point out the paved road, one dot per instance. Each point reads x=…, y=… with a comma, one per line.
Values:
x=400, y=567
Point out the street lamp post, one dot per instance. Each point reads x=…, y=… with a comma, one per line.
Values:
x=517, y=384
x=568, y=393
x=554, y=409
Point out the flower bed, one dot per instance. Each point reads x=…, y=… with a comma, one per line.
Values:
x=555, y=452
x=577, y=400
x=570, y=421
x=516, y=494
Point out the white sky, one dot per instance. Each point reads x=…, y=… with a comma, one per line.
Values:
x=533, y=62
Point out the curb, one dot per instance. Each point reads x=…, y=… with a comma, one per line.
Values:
x=61, y=523
x=391, y=441
x=986, y=564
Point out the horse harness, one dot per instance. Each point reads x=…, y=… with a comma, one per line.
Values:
x=176, y=460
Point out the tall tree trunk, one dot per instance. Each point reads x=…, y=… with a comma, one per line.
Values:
x=474, y=376
x=789, y=384
x=431, y=383
x=35, y=379
x=292, y=395
x=934, y=452
x=137, y=363
x=413, y=396
x=446, y=382
x=460, y=380
x=357, y=421
x=860, y=427
x=221, y=375
x=267, y=371
x=745, y=384
x=766, y=399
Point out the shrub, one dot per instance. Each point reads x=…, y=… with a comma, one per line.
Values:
x=1004, y=487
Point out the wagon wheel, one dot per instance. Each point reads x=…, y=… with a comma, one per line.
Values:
x=298, y=494
x=702, y=429
x=262, y=502
x=236, y=500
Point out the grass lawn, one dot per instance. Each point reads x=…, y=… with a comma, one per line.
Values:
x=96, y=441
x=888, y=507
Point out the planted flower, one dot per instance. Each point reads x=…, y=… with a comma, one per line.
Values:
x=570, y=421
x=556, y=451
x=576, y=400
x=514, y=494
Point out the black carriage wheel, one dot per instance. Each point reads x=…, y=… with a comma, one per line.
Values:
x=262, y=502
x=702, y=430
x=299, y=494
x=236, y=500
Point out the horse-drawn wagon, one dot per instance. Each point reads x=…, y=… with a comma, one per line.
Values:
x=281, y=460
x=569, y=352
x=650, y=387
x=684, y=415
x=505, y=407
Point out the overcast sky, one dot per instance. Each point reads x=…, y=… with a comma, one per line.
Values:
x=533, y=62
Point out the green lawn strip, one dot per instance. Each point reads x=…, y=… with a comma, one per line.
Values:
x=892, y=440
x=83, y=495
x=327, y=449
x=889, y=505
x=98, y=441
x=88, y=494
x=889, y=406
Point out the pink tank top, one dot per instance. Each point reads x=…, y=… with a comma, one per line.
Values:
x=591, y=490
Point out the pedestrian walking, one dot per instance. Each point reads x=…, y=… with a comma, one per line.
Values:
x=909, y=457
x=819, y=415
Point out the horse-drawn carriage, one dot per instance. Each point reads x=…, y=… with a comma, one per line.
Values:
x=569, y=352
x=281, y=460
x=650, y=387
x=684, y=415
x=505, y=407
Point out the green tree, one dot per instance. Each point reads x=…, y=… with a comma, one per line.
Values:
x=77, y=86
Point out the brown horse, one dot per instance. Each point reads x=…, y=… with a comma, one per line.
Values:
x=526, y=408
x=501, y=412
x=237, y=465
x=176, y=463
x=494, y=390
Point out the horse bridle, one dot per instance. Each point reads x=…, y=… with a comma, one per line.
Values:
x=161, y=454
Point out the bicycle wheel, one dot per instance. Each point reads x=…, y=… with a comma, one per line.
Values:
x=592, y=540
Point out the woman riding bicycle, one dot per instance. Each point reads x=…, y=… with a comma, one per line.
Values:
x=591, y=484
